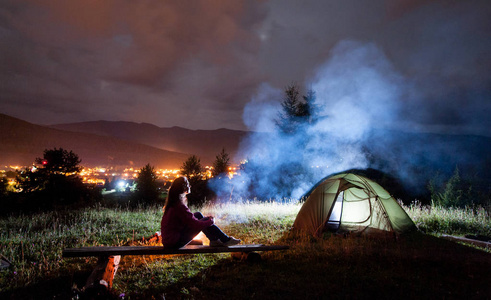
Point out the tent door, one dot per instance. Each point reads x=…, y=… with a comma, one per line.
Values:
x=335, y=218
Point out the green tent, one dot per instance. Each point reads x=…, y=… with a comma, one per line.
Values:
x=350, y=202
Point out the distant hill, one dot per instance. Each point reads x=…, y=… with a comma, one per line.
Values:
x=417, y=158
x=419, y=155
x=412, y=157
x=21, y=142
x=206, y=144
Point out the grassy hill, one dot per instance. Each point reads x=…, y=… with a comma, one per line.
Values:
x=418, y=266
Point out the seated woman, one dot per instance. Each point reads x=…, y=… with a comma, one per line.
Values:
x=179, y=226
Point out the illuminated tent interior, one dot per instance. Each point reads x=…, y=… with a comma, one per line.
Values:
x=348, y=202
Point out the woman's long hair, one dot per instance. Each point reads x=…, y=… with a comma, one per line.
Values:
x=176, y=191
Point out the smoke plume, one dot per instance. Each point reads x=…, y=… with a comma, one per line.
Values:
x=356, y=90
x=362, y=105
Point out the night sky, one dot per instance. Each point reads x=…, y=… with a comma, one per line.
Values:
x=199, y=64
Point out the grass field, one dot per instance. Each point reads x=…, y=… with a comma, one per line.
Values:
x=411, y=267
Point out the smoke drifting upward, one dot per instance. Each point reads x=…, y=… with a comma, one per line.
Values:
x=361, y=101
x=356, y=90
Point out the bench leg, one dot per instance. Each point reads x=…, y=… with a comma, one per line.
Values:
x=104, y=273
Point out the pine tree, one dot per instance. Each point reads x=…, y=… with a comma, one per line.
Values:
x=192, y=168
x=296, y=112
x=221, y=164
x=147, y=190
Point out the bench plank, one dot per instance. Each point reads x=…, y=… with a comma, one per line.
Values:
x=160, y=250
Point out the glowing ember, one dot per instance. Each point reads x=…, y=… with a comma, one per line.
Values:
x=201, y=237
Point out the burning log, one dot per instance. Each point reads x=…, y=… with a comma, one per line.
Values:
x=155, y=238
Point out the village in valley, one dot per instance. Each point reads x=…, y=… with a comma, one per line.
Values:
x=111, y=179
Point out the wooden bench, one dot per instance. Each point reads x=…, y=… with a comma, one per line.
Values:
x=109, y=257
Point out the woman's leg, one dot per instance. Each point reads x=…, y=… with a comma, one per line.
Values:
x=213, y=233
x=186, y=238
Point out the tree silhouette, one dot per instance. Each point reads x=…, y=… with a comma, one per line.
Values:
x=192, y=168
x=308, y=110
x=296, y=111
x=55, y=181
x=221, y=164
x=59, y=161
x=147, y=190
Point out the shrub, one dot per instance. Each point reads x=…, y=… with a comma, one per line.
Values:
x=453, y=193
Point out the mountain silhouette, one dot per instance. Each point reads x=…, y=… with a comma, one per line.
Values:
x=206, y=144
x=22, y=142
x=115, y=143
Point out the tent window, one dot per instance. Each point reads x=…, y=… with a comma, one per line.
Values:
x=357, y=208
x=335, y=218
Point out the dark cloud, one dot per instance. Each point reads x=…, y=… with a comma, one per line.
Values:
x=198, y=63
x=443, y=49
x=118, y=59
